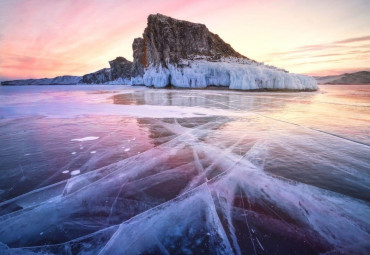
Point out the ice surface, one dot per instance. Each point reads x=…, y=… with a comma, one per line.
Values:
x=244, y=173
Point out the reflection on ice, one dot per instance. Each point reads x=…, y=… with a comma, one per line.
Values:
x=217, y=172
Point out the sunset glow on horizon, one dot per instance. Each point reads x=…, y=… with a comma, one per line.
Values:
x=40, y=38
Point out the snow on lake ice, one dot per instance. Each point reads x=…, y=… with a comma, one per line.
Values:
x=209, y=172
x=75, y=172
x=87, y=138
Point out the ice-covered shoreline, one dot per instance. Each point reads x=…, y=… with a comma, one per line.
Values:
x=232, y=75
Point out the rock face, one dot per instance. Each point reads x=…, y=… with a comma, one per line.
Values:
x=362, y=77
x=167, y=41
x=120, y=69
x=184, y=54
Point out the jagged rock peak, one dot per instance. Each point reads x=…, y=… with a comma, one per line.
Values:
x=118, y=60
x=120, y=68
x=167, y=40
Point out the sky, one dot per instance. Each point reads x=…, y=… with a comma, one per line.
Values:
x=47, y=38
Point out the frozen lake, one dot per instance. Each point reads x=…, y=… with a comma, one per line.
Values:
x=133, y=170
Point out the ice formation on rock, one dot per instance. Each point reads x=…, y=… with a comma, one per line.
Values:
x=187, y=55
x=233, y=75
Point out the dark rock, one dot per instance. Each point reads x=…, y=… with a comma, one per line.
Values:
x=119, y=68
x=139, y=53
x=167, y=40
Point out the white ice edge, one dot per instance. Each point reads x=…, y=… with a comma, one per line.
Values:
x=234, y=75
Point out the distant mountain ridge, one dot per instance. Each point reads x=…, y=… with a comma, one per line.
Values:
x=182, y=54
x=59, y=80
x=362, y=77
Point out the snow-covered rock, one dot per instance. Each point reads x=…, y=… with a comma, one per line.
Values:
x=59, y=80
x=118, y=73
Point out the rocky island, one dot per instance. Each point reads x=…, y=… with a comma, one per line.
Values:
x=357, y=78
x=182, y=54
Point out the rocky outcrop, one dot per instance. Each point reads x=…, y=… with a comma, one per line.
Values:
x=183, y=54
x=362, y=77
x=167, y=41
x=120, y=69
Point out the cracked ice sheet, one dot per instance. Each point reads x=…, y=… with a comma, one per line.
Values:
x=197, y=230
x=275, y=187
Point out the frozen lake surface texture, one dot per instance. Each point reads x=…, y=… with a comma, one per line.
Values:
x=133, y=170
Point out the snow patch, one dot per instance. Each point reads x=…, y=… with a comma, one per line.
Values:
x=87, y=138
x=75, y=172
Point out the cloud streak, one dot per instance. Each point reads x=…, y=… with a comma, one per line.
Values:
x=340, y=51
x=353, y=40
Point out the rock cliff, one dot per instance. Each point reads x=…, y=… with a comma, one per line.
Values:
x=183, y=54
x=167, y=41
